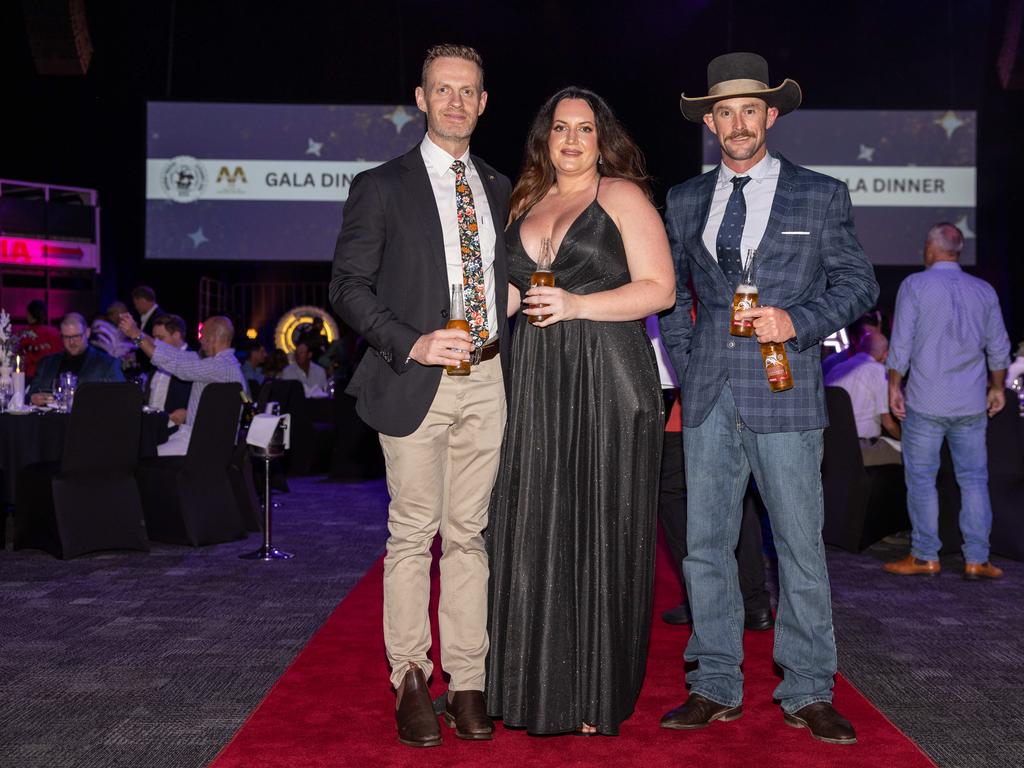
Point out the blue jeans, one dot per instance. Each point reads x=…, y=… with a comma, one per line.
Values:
x=720, y=455
x=922, y=441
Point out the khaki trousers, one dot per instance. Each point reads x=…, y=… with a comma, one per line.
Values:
x=440, y=479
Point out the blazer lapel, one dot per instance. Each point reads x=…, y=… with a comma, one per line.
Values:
x=421, y=193
x=707, y=261
x=784, y=192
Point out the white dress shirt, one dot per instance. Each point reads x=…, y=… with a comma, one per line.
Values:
x=864, y=379
x=159, y=385
x=442, y=180
x=144, y=318
x=315, y=380
x=759, y=194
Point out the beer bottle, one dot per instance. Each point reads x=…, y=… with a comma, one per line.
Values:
x=745, y=297
x=458, y=320
x=776, y=366
x=543, y=275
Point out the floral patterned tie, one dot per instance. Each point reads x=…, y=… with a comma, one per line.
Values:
x=473, y=291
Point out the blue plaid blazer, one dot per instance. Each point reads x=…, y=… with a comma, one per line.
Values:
x=823, y=279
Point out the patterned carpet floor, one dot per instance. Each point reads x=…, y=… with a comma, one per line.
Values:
x=153, y=660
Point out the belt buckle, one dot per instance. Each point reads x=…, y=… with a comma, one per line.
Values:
x=475, y=355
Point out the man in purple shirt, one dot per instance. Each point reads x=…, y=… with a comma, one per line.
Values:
x=949, y=332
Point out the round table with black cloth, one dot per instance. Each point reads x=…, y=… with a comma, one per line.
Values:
x=34, y=437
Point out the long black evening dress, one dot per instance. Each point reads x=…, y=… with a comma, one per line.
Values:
x=573, y=513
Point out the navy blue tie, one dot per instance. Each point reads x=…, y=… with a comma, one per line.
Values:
x=730, y=233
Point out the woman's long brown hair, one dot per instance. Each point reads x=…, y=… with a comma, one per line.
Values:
x=621, y=157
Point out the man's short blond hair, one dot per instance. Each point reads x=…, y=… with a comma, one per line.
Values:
x=451, y=51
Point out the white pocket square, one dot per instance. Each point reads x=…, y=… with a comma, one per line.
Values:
x=796, y=232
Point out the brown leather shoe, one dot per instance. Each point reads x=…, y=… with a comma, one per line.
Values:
x=467, y=714
x=417, y=723
x=699, y=712
x=974, y=571
x=824, y=723
x=910, y=566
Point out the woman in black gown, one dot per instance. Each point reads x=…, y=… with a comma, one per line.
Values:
x=572, y=521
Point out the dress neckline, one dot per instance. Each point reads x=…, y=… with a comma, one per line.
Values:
x=565, y=237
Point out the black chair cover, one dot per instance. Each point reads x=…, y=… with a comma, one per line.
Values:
x=1005, y=444
x=189, y=499
x=862, y=504
x=89, y=500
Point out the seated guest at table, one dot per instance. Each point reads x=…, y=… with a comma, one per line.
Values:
x=869, y=322
x=255, y=358
x=38, y=339
x=114, y=311
x=167, y=392
x=312, y=376
x=218, y=364
x=87, y=362
x=864, y=379
x=277, y=361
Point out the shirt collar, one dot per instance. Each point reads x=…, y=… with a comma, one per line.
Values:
x=766, y=168
x=944, y=265
x=439, y=162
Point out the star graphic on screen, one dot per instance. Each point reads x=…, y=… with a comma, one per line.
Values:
x=964, y=227
x=197, y=238
x=949, y=122
x=399, y=117
x=866, y=153
x=314, y=147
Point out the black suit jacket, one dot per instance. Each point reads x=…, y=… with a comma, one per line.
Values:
x=390, y=284
x=98, y=366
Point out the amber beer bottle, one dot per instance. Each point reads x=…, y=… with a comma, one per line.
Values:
x=542, y=275
x=458, y=320
x=776, y=366
x=745, y=297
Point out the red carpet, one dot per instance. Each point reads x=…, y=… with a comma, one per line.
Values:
x=333, y=707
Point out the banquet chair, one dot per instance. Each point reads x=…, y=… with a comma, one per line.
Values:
x=88, y=500
x=311, y=442
x=243, y=485
x=862, y=504
x=189, y=499
x=1005, y=444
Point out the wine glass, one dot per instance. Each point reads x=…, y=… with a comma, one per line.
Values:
x=70, y=385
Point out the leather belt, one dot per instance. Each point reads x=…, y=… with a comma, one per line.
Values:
x=487, y=352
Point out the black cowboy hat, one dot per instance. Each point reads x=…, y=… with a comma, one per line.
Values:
x=740, y=74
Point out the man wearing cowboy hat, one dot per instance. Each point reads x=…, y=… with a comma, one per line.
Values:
x=813, y=278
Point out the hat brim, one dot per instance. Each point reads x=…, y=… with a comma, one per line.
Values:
x=785, y=98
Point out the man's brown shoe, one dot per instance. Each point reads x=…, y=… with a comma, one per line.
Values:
x=417, y=723
x=824, y=723
x=974, y=571
x=910, y=566
x=466, y=712
x=699, y=712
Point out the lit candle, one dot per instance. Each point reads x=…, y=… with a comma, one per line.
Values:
x=17, y=363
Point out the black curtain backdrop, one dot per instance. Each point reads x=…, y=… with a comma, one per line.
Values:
x=90, y=131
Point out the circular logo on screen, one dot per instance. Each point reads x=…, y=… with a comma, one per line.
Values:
x=184, y=179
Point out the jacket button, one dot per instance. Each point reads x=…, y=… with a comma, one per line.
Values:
x=731, y=344
x=444, y=314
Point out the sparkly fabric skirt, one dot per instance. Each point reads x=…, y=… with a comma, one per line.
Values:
x=572, y=527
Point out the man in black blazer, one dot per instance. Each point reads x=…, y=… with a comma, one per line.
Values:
x=80, y=358
x=165, y=390
x=414, y=227
x=144, y=301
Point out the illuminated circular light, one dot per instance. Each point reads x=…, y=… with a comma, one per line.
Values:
x=251, y=333
x=298, y=319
